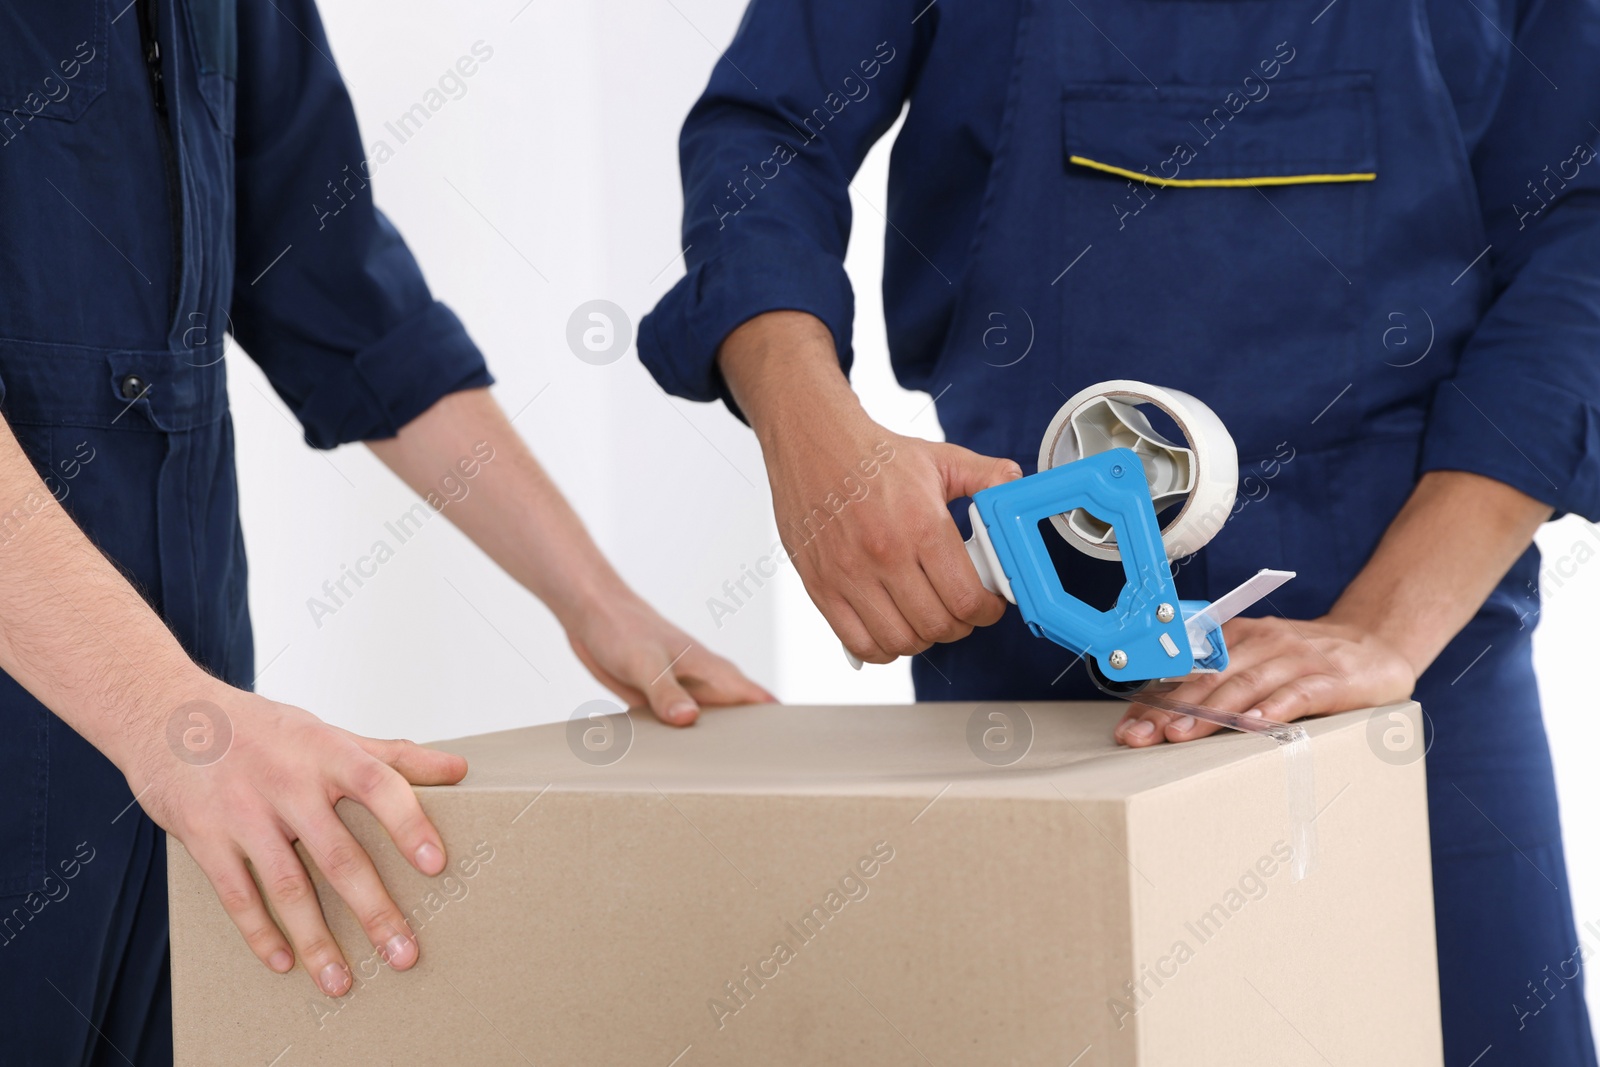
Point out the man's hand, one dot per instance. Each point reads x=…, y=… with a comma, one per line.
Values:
x=82, y=641
x=1439, y=560
x=464, y=452
x=888, y=569
x=649, y=662
x=861, y=510
x=277, y=783
x=1283, y=670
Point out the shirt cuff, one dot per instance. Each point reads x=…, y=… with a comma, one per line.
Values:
x=392, y=381
x=678, y=341
x=1537, y=439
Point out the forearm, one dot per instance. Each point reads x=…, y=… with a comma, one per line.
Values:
x=74, y=633
x=783, y=371
x=1454, y=540
x=511, y=509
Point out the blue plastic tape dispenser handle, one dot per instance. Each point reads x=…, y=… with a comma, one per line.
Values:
x=1111, y=486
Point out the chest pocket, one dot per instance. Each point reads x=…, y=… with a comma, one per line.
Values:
x=1236, y=216
x=1303, y=132
x=52, y=61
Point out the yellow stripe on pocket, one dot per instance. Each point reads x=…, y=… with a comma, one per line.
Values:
x=1213, y=183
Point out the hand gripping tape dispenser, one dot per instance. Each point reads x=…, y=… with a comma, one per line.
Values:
x=1115, y=488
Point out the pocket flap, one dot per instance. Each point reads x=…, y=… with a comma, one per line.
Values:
x=1254, y=132
x=52, y=61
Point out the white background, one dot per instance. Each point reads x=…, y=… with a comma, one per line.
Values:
x=560, y=160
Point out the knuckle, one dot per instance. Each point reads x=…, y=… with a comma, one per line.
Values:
x=289, y=887
x=369, y=777
x=876, y=547
x=344, y=858
x=889, y=651
x=1248, y=679
x=859, y=643
x=380, y=919
x=896, y=643
x=261, y=937
x=879, y=543
x=971, y=605
x=410, y=826
x=319, y=946
x=236, y=900
x=1305, y=690
x=1288, y=644
x=1290, y=701
x=833, y=605
x=906, y=645
x=867, y=650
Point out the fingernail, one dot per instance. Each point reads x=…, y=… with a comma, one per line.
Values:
x=1142, y=728
x=429, y=859
x=682, y=712
x=335, y=979
x=399, y=951
x=1254, y=713
x=281, y=961
x=1183, y=725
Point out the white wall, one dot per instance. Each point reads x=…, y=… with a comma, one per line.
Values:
x=565, y=142
x=1564, y=653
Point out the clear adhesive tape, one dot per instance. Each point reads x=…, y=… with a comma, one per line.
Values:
x=1300, y=784
x=1192, y=484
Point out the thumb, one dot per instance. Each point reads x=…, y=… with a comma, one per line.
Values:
x=966, y=472
x=671, y=702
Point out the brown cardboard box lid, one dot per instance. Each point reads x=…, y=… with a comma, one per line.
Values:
x=873, y=750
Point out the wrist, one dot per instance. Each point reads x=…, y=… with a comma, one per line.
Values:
x=1440, y=558
x=1415, y=638
x=592, y=591
x=783, y=371
x=179, y=712
x=811, y=425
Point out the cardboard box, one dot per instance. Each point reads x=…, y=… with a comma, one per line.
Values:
x=936, y=884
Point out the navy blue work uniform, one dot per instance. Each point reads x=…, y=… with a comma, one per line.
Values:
x=171, y=170
x=1367, y=233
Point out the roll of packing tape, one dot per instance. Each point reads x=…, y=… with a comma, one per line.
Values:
x=1193, y=484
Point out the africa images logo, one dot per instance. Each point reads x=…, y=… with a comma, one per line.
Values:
x=199, y=733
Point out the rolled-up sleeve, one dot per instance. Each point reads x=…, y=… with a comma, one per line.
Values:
x=1523, y=406
x=767, y=155
x=327, y=299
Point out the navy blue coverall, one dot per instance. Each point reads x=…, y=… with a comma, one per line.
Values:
x=169, y=171
x=1366, y=232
